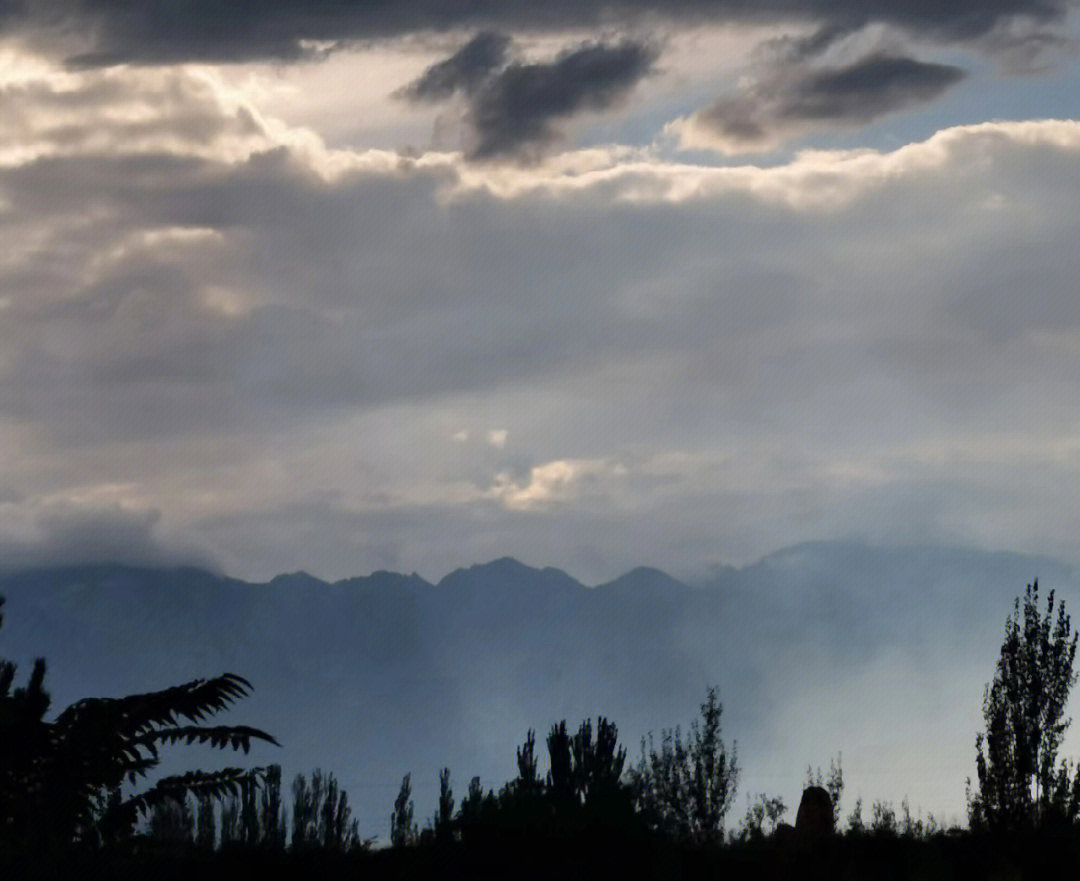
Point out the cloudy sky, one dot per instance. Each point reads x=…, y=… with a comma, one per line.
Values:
x=409, y=284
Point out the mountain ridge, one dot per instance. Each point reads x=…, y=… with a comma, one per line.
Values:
x=504, y=568
x=378, y=675
x=509, y=568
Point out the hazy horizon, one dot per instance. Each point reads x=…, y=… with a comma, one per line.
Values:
x=691, y=575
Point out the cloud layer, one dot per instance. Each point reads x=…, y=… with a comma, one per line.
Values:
x=525, y=78
x=162, y=32
x=343, y=360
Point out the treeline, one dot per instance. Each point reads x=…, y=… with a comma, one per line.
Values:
x=576, y=807
x=257, y=818
x=681, y=790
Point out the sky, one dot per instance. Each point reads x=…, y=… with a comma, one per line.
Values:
x=412, y=284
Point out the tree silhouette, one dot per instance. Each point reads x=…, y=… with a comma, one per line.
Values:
x=172, y=823
x=582, y=769
x=402, y=826
x=582, y=794
x=528, y=778
x=684, y=789
x=584, y=791
x=442, y=822
x=762, y=816
x=205, y=823
x=321, y=815
x=832, y=782
x=473, y=807
x=1020, y=785
x=56, y=776
x=560, y=783
x=232, y=829
x=271, y=810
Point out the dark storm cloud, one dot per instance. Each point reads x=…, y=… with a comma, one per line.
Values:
x=789, y=102
x=62, y=534
x=167, y=31
x=517, y=106
x=512, y=105
x=463, y=71
x=870, y=87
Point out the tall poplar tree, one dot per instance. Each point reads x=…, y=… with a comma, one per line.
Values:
x=402, y=826
x=1020, y=783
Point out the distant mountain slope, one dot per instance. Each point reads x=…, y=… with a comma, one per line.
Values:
x=378, y=675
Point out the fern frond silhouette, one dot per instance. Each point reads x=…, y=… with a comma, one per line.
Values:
x=53, y=774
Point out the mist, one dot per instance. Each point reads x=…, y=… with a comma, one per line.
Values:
x=876, y=655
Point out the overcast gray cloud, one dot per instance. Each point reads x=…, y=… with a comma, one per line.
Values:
x=212, y=315
x=200, y=29
x=197, y=302
x=267, y=315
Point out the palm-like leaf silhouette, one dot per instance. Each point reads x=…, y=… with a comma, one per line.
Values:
x=52, y=774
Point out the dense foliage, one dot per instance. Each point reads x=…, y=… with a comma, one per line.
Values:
x=60, y=781
x=685, y=788
x=1021, y=785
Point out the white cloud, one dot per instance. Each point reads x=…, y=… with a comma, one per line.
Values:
x=560, y=481
x=550, y=482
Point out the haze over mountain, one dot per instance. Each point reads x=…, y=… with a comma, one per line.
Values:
x=820, y=648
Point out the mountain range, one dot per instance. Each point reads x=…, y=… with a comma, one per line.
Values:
x=878, y=653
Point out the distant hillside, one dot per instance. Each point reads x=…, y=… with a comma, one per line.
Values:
x=374, y=676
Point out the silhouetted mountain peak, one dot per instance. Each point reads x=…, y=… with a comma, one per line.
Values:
x=506, y=572
x=644, y=579
x=296, y=579
x=503, y=567
x=383, y=579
